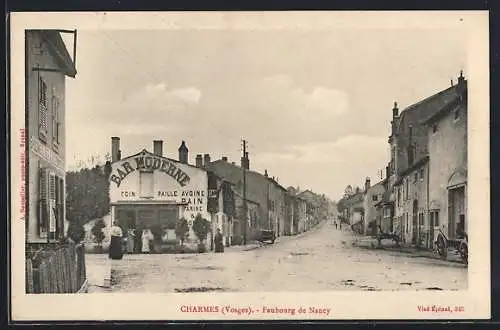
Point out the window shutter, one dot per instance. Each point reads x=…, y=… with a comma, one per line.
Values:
x=43, y=202
x=52, y=202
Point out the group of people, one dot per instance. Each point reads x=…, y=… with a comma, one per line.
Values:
x=139, y=241
x=136, y=241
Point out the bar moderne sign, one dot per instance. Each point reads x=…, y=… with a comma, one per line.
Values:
x=149, y=162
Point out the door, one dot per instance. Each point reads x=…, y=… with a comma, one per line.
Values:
x=414, y=233
x=431, y=229
x=456, y=212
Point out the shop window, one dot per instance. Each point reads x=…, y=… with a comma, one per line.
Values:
x=146, y=184
x=43, y=112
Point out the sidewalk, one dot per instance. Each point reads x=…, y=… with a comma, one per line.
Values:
x=368, y=242
x=239, y=248
x=98, y=268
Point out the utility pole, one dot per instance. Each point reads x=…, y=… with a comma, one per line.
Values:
x=245, y=212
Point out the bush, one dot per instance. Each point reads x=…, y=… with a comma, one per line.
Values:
x=181, y=229
x=201, y=227
x=76, y=231
x=97, y=232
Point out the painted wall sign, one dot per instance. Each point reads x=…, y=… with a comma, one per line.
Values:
x=44, y=152
x=146, y=161
x=171, y=182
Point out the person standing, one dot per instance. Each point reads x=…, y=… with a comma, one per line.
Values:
x=147, y=236
x=115, y=247
x=219, y=246
x=130, y=240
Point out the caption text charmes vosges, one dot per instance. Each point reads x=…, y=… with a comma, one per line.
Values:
x=228, y=310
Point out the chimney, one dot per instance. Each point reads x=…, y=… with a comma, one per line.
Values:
x=395, y=110
x=265, y=173
x=224, y=158
x=199, y=160
x=462, y=86
x=206, y=160
x=245, y=162
x=115, y=149
x=158, y=148
x=183, y=153
x=367, y=184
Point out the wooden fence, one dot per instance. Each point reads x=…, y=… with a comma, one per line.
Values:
x=58, y=269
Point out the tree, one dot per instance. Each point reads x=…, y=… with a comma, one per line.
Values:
x=181, y=229
x=201, y=228
x=76, y=231
x=97, y=232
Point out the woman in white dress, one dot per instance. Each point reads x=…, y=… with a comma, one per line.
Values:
x=147, y=236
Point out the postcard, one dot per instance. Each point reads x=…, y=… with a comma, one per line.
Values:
x=249, y=165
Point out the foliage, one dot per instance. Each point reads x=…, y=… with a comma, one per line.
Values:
x=97, y=232
x=76, y=231
x=201, y=227
x=87, y=194
x=157, y=232
x=181, y=229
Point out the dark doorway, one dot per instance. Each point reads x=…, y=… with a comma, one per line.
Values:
x=414, y=233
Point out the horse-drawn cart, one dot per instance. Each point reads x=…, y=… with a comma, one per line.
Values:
x=460, y=245
x=383, y=235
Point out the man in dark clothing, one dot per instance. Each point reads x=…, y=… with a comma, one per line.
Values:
x=219, y=246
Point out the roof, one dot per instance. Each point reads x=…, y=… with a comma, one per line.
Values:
x=58, y=49
x=421, y=162
x=444, y=111
x=428, y=107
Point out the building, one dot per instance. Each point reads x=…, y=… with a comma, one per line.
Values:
x=48, y=63
x=409, y=147
x=373, y=195
x=447, y=135
x=148, y=190
x=252, y=217
x=260, y=189
x=411, y=204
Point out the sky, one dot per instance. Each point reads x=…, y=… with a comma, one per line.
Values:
x=314, y=105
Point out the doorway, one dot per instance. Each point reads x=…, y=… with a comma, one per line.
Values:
x=414, y=233
x=456, y=212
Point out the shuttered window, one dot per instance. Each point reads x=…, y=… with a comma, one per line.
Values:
x=43, y=202
x=43, y=111
x=56, y=104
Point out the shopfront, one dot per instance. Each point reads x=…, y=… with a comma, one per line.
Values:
x=149, y=191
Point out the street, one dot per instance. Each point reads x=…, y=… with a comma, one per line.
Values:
x=322, y=259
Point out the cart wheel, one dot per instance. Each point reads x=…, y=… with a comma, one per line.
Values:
x=441, y=247
x=464, y=253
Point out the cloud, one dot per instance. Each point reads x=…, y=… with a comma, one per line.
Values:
x=343, y=150
x=190, y=95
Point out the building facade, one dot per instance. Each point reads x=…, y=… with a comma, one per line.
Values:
x=409, y=145
x=447, y=134
x=373, y=195
x=48, y=63
x=150, y=191
x=411, y=204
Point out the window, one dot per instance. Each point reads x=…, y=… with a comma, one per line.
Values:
x=146, y=184
x=374, y=198
x=434, y=128
x=434, y=218
x=43, y=112
x=415, y=178
x=56, y=123
x=421, y=174
x=420, y=219
x=43, y=215
x=456, y=114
